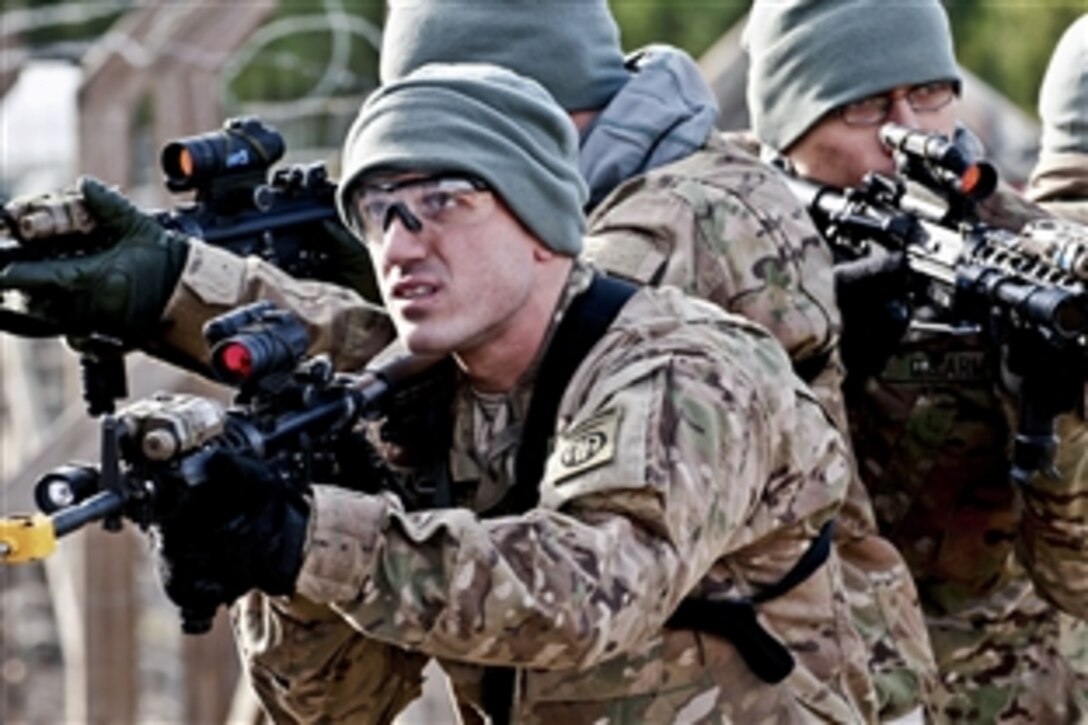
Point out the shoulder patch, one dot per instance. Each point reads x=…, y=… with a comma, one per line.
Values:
x=586, y=446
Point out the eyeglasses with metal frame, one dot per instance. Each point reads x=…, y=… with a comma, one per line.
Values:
x=875, y=110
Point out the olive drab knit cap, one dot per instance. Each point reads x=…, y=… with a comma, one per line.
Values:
x=808, y=57
x=571, y=47
x=480, y=120
x=1063, y=97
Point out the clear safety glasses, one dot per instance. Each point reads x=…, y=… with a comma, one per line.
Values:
x=443, y=201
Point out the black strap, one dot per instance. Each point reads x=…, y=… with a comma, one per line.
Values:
x=811, y=367
x=736, y=620
x=814, y=557
x=585, y=322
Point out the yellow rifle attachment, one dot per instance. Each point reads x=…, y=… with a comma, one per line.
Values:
x=25, y=538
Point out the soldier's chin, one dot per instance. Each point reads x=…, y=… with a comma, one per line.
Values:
x=425, y=340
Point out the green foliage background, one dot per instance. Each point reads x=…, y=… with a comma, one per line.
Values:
x=1006, y=42
x=288, y=67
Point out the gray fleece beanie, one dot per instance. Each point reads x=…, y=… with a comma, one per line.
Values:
x=1063, y=98
x=571, y=47
x=480, y=120
x=809, y=57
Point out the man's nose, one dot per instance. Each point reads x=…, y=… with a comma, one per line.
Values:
x=403, y=239
x=900, y=112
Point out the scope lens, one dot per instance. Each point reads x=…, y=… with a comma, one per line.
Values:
x=255, y=341
x=235, y=359
x=244, y=146
x=185, y=162
x=178, y=162
x=970, y=178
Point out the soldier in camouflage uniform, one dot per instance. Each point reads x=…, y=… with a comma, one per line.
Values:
x=931, y=430
x=689, y=464
x=672, y=202
x=1059, y=183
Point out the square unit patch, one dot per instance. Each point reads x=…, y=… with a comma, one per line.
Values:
x=586, y=446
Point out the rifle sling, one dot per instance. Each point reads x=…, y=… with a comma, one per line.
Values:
x=736, y=621
x=585, y=322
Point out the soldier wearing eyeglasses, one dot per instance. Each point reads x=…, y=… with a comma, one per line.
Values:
x=993, y=564
x=649, y=548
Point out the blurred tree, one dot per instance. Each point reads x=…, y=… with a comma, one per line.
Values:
x=690, y=24
x=1006, y=43
x=59, y=26
x=327, y=46
x=308, y=69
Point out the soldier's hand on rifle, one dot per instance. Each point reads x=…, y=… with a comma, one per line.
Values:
x=243, y=529
x=872, y=296
x=121, y=291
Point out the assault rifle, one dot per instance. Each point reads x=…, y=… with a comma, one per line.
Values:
x=294, y=413
x=1026, y=293
x=285, y=216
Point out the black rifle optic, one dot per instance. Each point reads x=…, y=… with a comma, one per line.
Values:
x=1026, y=292
x=238, y=202
x=293, y=412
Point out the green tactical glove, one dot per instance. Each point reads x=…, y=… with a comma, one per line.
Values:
x=121, y=291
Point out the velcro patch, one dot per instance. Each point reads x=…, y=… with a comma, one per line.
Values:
x=586, y=446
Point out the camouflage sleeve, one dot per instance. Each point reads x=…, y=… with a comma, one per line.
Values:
x=751, y=250
x=1059, y=183
x=306, y=664
x=1054, y=523
x=624, y=530
x=1053, y=541
x=1059, y=176
x=214, y=280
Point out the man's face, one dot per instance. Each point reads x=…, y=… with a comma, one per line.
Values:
x=456, y=267
x=843, y=146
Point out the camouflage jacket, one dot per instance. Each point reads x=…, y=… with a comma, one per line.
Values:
x=1059, y=183
x=714, y=470
x=932, y=436
x=722, y=226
